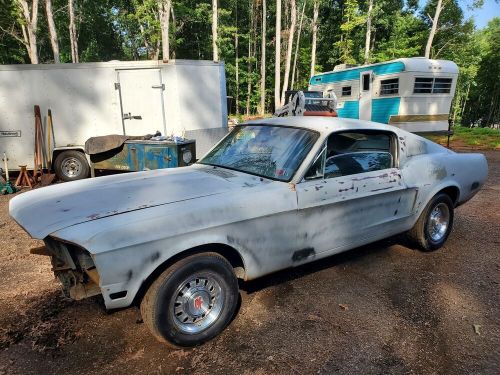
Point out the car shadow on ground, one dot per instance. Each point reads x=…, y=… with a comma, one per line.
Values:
x=335, y=260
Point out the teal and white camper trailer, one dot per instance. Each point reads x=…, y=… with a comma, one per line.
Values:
x=414, y=94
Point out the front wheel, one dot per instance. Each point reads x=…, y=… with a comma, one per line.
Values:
x=434, y=224
x=192, y=301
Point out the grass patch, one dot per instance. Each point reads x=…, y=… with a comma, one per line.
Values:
x=481, y=138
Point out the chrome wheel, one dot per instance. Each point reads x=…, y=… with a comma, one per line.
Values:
x=197, y=303
x=71, y=167
x=438, y=222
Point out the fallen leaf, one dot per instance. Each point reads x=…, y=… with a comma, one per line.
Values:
x=476, y=329
x=343, y=306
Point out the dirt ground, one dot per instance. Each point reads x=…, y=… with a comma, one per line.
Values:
x=379, y=309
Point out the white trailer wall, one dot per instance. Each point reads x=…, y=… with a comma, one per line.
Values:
x=85, y=102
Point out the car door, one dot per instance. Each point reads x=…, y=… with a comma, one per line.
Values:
x=353, y=193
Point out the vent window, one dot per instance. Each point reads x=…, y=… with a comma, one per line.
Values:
x=346, y=91
x=389, y=86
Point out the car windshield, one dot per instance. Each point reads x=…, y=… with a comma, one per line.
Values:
x=269, y=151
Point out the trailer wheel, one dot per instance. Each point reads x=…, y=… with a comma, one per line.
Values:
x=71, y=165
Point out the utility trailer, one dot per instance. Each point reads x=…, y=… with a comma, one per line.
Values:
x=182, y=98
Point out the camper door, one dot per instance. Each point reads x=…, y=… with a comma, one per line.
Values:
x=141, y=101
x=365, y=95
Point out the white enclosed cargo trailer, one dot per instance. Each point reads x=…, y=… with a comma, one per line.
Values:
x=182, y=97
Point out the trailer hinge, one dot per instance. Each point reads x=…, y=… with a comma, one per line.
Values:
x=117, y=85
x=162, y=86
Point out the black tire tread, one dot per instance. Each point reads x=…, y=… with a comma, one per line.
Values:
x=416, y=235
x=148, y=305
x=76, y=154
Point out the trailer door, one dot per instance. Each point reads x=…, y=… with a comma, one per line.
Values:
x=365, y=95
x=141, y=101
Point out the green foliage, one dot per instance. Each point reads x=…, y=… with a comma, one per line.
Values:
x=352, y=19
x=130, y=30
x=405, y=39
x=483, y=138
x=484, y=99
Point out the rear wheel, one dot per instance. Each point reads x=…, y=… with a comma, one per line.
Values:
x=71, y=165
x=434, y=224
x=192, y=301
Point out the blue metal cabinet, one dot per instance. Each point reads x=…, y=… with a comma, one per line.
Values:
x=136, y=155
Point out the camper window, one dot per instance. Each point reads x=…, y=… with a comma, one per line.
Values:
x=389, y=86
x=366, y=82
x=442, y=86
x=432, y=85
x=423, y=85
x=346, y=91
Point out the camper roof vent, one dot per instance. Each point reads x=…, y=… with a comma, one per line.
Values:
x=344, y=66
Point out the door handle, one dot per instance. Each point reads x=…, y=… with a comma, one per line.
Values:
x=128, y=116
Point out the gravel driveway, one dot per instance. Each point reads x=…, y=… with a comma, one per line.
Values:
x=379, y=309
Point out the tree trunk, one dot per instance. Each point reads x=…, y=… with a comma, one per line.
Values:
x=237, y=67
x=174, y=30
x=73, y=38
x=262, y=108
x=297, y=46
x=30, y=28
x=277, y=60
x=289, y=49
x=214, y=30
x=368, y=31
x=250, y=56
x=52, y=30
x=164, y=13
x=439, y=8
x=314, y=36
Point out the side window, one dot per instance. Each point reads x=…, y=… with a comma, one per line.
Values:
x=357, y=162
x=442, y=86
x=353, y=153
x=432, y=85
x=346, y=91
x=423, y=85
x=389, y=86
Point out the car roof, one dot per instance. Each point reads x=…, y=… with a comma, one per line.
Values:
x=323, y=125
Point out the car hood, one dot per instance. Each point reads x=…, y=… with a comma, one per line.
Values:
x=46, y=210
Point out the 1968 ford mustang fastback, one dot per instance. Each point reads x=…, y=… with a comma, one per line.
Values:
x=274, y=193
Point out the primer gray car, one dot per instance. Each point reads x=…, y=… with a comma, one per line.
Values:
x=274, y=193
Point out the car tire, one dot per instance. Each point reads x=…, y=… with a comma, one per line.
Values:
x=192, y=301
x=434, y=224
x=71, y=165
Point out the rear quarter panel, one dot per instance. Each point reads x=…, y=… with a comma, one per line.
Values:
x=431, y=168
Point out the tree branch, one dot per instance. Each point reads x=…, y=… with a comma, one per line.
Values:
x=13, y=35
